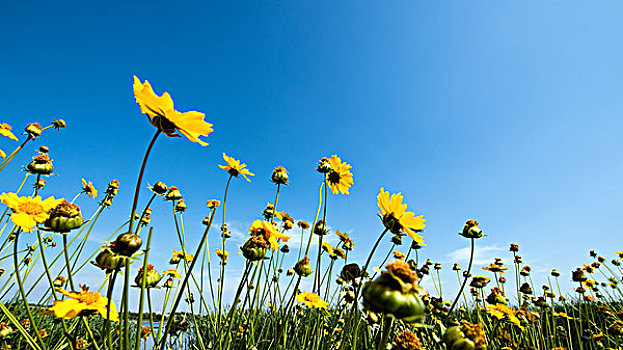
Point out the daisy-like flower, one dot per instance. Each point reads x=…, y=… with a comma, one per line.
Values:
x=234, y=168
x=5, y=130
x=501, y=311
x=222, y=254
x=339, y=178
x=162, y=115
x=312, y=300
x=396, y=218
x=171, y=273
x=84, y=303
x=89, y=189
x=178, y=256
x=28, y=211
x=495, y=268
x=327, y=247
x=268, y=232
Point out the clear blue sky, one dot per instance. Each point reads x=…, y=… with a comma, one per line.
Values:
x=508, y=113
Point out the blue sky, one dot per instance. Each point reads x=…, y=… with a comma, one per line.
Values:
x=508, y=113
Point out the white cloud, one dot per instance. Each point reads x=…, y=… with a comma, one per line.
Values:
x=482, y=254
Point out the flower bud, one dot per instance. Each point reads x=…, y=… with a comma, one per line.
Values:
x=213, y=203
x=324, y=166
x=113, y=187
x=173, y=194
x=397, y=239
x=152, y=277
x=578, y=275
x=225, y=232
x=64, y=217
x=41, y=164
x=525, y=288
x=555, y=273
x=39, y=184
x=496, y=297
x=540, y=302
x=34, y=129
x=467, y=336
x=471, y=230
x=254, y=248
x=59, y=282
x=180, y=206
x=303, y=267
x=5, y=330
x=320, y=228
x=285, y=248
x=58, y=124
x=395, y=292
x=127, y=244
x=160, y=188
x=350, y=272
x=108, y=260
x=269, y=212
x=168, y=283
x=479, y=281
x=280, y=176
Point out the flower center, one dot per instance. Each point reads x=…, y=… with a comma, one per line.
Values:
x=334, y=177
x=30, y=208
x=88, y=298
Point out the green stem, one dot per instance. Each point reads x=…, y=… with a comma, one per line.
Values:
x=183, y=286
x=137, y=344
x=23, y=294
x=469, y=269
x=140, y=179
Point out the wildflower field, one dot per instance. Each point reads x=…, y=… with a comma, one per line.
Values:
x=350, y=304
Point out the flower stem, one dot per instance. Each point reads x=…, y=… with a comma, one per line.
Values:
x=162, y=342
x=140, y=179
x=23, y=294
x=142, y=294
x=222, y=274
x=469, y=269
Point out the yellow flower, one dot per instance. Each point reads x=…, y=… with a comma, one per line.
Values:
x=398, y=255
x=339, y=178
x=234, y=168
x=85, y=303
x=268, y=232
x=5, y=130
x=222, y=254
x=2, y=154
x=162, y=115
x=28, y=211
x=501, y=311
x=312, y=300
x=327, y=247
x=171, y=273
x=495, y=268
x=562, y=314
x=89, y=189
x=178, y=255
x=396, y=218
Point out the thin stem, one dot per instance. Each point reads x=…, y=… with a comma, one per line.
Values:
x=23, y=294
x=137, y=344
x=184, y=283
x=469, y=269
x=140, y=179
